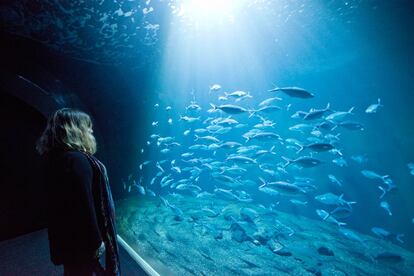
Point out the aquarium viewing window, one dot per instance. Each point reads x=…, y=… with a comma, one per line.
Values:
x=260, y=152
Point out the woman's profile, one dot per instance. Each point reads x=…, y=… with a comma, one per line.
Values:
x=81, y=215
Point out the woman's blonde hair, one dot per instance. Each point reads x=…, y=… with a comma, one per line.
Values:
x=67, y=129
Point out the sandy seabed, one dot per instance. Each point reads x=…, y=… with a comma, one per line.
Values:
x=218, y=237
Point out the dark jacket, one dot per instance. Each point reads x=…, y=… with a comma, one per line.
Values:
x=73, y=229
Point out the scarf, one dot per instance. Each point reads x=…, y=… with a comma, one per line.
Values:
x=105, y=213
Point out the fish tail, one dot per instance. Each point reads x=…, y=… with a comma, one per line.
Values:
x=341, y=223
x=399, y=237
x=263, y=181
x=288, y=162
x=213, y=106
x=301, y=148
x=274, y=89
x=196, y=137
x=252, y=113
x=384, y=192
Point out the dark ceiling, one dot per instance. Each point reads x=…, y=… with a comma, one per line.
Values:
x=97, y=31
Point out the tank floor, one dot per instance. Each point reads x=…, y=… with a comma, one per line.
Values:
x=220, y=239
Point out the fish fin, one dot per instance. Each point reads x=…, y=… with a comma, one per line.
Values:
x=379, y=102
x=328, y=106
x=341, y=223
x=212, y=106
x=399, y=237
x=351, y=109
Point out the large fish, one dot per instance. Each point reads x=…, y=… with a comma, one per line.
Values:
x=303, y=161
x=230, y=108
x=295, y=92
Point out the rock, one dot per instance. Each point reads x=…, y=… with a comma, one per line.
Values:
x=238, y=233
x=389, y=257
x=283, y=252
x=325, y=251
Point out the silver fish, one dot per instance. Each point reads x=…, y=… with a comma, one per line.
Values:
x=295, y=92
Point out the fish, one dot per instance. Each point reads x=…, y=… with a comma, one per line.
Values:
x=208, y=138
x=314, y=114
x=301, y=127
x=332, y=199
x=299, y=202
x=339, y=115
x=155, y=123
x=158, y=165
x=282, y=187
x=237, y=94
x=193, y=106
x=234, y=170
x=266, y=109
x=324, y=215
x=215, y=87
x=229, y=108
x=241, y=159
x=342, y=212
x=386, y=206
x=170, y=121
x=411, y=168
x=140, y=188
x=190, y=187
x=186, y=132
x=303, y=161
x=295, y=92
x=165, y=151
x=359, y=158
x=374, y=107
x=299, y=114
x=269, y=101
x=341, y=162
x=189, y=119
x=334, y=180
x=373, y=175
x=384, y=234
x=318, y=147
x=227, y=194
x=163, y=140
x=351, y=125
x=226, y=180
x=264, y=136
x=352, y=235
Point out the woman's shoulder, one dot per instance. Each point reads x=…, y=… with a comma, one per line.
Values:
x=76, y=159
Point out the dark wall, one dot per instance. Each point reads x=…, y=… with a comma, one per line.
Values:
x=113, y=97
x=21, y=195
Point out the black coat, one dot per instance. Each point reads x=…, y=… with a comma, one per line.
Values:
x=74, y=234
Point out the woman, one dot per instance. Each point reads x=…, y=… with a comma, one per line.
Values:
x=81, y=211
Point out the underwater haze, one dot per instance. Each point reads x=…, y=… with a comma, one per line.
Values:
x=280, y=141
x=278, y=136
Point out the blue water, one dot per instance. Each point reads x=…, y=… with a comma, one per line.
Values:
x=347, y=53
